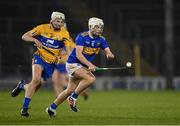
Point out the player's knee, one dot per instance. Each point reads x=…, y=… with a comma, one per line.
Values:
x=36, y=82
x=91, y=79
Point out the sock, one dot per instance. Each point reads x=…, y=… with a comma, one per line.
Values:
x=74, y=95
x=53, y=106
x=26, y=103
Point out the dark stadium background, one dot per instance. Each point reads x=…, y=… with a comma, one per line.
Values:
x=127, y=23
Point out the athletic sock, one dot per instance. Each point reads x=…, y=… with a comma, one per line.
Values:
x=26, y=103
x=53, y=106
x=74, y=95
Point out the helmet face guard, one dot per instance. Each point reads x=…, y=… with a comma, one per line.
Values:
x=96, y=26
x=57, y=23
x=97, y=30
x=57, y=20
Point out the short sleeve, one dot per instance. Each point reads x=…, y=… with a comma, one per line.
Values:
x=104, y=44
x=36, y=30
x=79, y=40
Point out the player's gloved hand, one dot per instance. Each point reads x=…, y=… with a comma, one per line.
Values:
x=92, y=67
x=110, y=55
x=37, y=43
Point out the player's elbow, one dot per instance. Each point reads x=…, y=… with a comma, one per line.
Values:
x=23, y=37
x=26, y=36
x=92, y=80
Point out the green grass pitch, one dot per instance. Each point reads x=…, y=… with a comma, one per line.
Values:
x=103, y=107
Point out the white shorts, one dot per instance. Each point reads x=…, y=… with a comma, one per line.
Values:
x=72, y=67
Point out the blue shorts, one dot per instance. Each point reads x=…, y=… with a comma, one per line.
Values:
x=48, y=68
x=61, y=68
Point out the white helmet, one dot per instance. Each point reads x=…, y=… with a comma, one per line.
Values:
x=95, y=21
x=56, y=14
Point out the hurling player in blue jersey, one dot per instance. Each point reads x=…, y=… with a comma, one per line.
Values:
x=79, y=64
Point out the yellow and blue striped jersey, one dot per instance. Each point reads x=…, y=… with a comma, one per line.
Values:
x=52, y=40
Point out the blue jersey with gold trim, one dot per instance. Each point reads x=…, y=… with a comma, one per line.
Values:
x=91, y=47
x=53, y=40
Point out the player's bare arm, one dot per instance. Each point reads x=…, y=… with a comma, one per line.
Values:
x=108, y=53
x=80, y=56
x=68, y=48
x=28, y=37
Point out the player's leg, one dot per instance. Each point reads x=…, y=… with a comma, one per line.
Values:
x=70, y=88
x=86, y=79
x=61, y=97
x=59, y=80
x=31, y=88
x=83, y=76
x=84, y=94
x=37, y=88
x=36, y=80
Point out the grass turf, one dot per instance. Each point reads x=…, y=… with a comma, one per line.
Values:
x=103, y=107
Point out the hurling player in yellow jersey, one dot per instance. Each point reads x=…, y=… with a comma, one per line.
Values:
x=50, y=39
